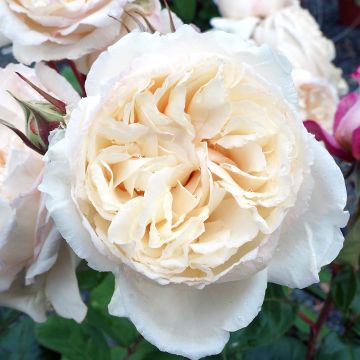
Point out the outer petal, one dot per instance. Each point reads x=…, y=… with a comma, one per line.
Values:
x=183, y=320
x=243, y=28
x=356, y=144
x=310, y=236
x=62, y=289
x=27, y=299
x=57, y=189
x=140, y=46
x=330, y=142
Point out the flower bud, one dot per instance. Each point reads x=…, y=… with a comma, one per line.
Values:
x=40, y=118
x=345, y=140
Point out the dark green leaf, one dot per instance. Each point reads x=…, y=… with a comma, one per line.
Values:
x=334, y=347
x=18, y=341
x=102, y=294
x=351, y=251
x=120, y=330
x=286, y=348
x=74, y=341
x=88, y=278
x=185, y=9
x=343, y=288
x=275, y=318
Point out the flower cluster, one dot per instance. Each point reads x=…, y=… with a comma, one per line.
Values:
x=186, y=170
x=293, y=31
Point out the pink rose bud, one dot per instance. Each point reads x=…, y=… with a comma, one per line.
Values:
x=347, y=118
x=345, y=141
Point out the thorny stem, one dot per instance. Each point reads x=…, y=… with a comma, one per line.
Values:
x=80, y=77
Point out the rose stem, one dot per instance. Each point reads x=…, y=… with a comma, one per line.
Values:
x=80, y=77
x=324, y=313
x=306, y=319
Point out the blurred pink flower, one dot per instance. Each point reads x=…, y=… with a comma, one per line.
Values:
x=345, y=140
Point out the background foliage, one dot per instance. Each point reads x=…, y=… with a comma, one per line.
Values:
x=325, y=316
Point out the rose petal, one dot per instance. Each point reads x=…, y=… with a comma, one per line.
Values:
x=356, y=144
x=330, y=142
x=57, y=189
x=312, y=239
x=62, y=288
x=343, y=107
x=183, y=320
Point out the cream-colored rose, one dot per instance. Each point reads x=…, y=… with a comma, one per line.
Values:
x=159, y=20
x=188, y=173
x=59, y=29
x=36, y=265
x=238, y=9
x=296, y=34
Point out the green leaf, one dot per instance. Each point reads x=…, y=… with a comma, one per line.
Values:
x=118, y=353
x=18, y=342
x=351, y=251
x=185, y=9
x=275, y=318
x=73, y=341
x=286, y=348
x=68, y=74
x=343, y=288
x=88, y=278
x=120, y=330
x=357, y=2
x=102, y=294
x=333, y=347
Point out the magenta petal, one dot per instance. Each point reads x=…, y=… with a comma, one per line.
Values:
x=343, y=107
x=356, y=75
x=356, y=143
x=330, y=142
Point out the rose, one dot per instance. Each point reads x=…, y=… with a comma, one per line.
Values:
x=36, y=265
x=345, y=140
x=188, y=173
x=295, y=32
x=56, y=29
x=159, y=20
x=238, y=9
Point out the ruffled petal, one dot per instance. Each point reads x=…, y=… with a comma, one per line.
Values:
x=57, y=189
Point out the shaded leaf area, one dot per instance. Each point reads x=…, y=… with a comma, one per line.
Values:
x=17, y=337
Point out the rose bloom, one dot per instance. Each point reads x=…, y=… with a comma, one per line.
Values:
x=296, y=34
x=57, y=29
x=238, y=9
x=188, y=173
x=159, y=20
x=37, y=268
x=344, y=140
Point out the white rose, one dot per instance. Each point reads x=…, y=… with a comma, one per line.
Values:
x=296, y=34
x=57, y=29
x=238, y=9
x=36, y=265
x=188, y=173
